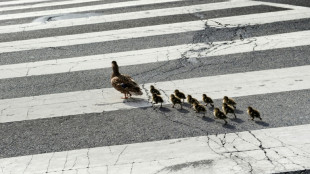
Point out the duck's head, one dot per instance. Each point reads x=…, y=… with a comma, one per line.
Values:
x=189, y=96
x=216, y=109
x=250, y=108
x=115, y=69
x=152, y=87
x=176, y=91
x=204, y=95
x=114, y=63
x=225, y=98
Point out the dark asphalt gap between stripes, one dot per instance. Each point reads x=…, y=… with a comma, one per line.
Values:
x=137, y=23
x=207, y=35
x=121, y=10
x=304, y=3
x=155, y=72
x=148, y=124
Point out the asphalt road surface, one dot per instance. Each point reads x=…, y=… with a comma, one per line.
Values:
x=56, y=98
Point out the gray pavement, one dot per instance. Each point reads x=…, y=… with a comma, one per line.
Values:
x=152, y=123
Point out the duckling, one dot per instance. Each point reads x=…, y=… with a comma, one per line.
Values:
x=219, y=115
x=175, y=100
x=229, y=101
x=207, y=100
x=154, y=90
x=157, y=99
x=199, y=108
x=179, y=94
x=228, y=109
x=124, y=83
x=253, y=113
x=191, y=100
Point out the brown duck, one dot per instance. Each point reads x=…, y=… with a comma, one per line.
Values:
x=253, y=113
x=199, y=108
x=229, y=101
x=219, y=115
x=179, y=94
x=228, y=109
x=124, y=83
x=207, y=100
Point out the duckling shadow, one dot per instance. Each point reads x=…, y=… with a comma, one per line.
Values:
x=211, y=108
x=237, y=120
x=137, y=102
x=164, y=109
x=183, y=110
x=262, y=123
x=187, y=105
x=237, y=111
x=229, y=126
x=207, y=119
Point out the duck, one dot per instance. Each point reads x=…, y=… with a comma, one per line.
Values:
x=175, y=100
x=207, y=100
x=154, y=90
x=228, y=109
x=124, y=83
x=179, y=94
x=199, y=108
x=157, y=99
x=253, y=113
x=191, y=100
x=229, y=101
x=219, y=115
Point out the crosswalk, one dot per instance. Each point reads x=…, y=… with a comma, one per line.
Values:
x=59, y=113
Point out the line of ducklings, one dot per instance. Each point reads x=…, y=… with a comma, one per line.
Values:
x=228, y=106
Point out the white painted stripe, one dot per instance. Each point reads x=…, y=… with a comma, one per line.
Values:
x=258, y=19
x=21, y=2
x=83, y=9
x=128, y=16
x=155, y=55
x=270, y=150
x=47, y=4
x=283, y=5
x=103, y=36
x=108, y=99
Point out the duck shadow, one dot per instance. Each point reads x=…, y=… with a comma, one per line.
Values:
x=138, y=102
x=229, y=126
x=164, y=109
x=210, y=108
x=207, y=119
x=237, y=111
x=262, y=123
x=237, y=120
x=183, y=110
x=187, y=105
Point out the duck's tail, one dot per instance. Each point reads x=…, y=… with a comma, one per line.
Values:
x=136, y=91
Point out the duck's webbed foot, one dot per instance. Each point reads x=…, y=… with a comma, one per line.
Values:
x=125, y=96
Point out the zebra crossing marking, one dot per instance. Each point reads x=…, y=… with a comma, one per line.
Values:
x=17, y=2
x=46, y=4
x=270, y=150
x=82, y=9
x=136, y=57
x=124, y=16
x=108, y=99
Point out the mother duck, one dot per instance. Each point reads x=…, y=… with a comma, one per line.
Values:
x=124, y=83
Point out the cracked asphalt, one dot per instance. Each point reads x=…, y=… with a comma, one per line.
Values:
x=151, y=123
